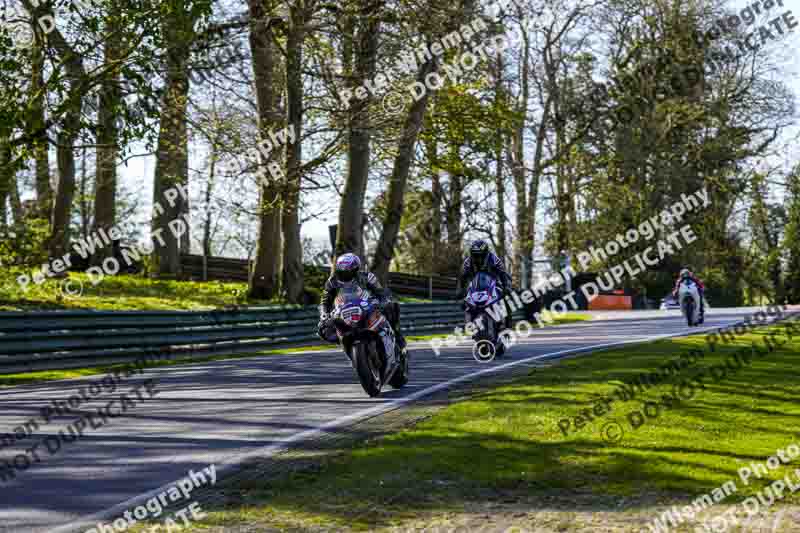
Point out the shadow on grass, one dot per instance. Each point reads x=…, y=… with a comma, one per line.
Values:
x=505, y=445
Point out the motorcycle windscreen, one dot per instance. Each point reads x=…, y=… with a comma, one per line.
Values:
x=482, y=282
x=351, y=293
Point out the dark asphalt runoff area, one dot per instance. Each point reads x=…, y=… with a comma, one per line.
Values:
x=224, y=411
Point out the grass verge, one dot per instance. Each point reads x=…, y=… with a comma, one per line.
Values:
x=129, y=292
x=123, y=292
x=501, y=458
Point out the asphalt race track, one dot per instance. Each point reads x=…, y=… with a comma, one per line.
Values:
x=218, y=412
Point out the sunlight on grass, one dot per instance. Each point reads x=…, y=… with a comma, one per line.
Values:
x=508, y=441
x=122, y=292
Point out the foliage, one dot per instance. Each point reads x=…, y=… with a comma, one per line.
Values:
x=791, y=239
x=24, y=245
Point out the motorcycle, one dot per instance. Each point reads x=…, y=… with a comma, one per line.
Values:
x=689, y=299
x=367, y=339
x=481, y=295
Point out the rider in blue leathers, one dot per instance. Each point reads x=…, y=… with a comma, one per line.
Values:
x=480, y=259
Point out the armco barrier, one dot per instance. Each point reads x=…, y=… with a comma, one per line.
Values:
x=67, y=339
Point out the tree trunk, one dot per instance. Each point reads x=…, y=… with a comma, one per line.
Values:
x=264, y=280
x=172, y=156
x=524, y=243
x=499, y=180
x=212, y=175
x=397, y=185
x=292, y=245
x=435, y=233
x=453, y=216
x=7, y=175
x=41, y=155
x=351, y=210
x=105, y=196
x=500, y=187
x=68, y=133
x=16, y=203
x=84, y=208
x=65, y=191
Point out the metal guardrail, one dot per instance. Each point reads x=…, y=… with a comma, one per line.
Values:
x=67, y=339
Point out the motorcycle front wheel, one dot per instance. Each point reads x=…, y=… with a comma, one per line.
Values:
x=368, y=368
x=688, y=308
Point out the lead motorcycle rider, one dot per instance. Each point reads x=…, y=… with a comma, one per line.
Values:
x=347, y=270
x=480, y=259
x=687, y=273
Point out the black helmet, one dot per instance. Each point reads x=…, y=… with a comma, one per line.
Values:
x=347, y=267
x=479, y=253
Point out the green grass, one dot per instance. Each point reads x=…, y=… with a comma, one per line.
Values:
x=128, y=292
x=505, y=444
x=123, y=292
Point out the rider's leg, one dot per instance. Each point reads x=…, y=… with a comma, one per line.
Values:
x=702, y=303
x=401, y=339
x=392, y=312
x=329, y=334
x=508, y=322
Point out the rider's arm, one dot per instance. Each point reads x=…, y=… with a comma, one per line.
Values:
x=328, y=295
x=466, y=272
x=505, y=277
x=374, y=286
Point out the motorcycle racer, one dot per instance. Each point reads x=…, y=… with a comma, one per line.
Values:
x=687, y=273
x=347, y=270
x=480, y=259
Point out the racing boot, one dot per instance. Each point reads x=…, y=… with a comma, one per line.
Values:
x=401, y=339
x=388, y=338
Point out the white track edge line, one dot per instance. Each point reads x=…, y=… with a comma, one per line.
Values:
x=272, y=449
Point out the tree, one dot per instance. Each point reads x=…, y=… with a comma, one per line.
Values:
x=791, y=238
x=107, y=152
x=359, y=54
x=178, y=21
x=265, y=277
